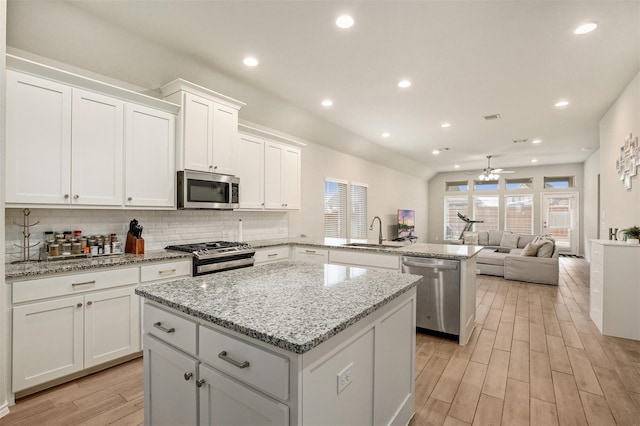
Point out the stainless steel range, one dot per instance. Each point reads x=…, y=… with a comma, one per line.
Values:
x=217, y=256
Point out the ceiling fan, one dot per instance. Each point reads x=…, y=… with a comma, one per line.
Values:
x=489, y=173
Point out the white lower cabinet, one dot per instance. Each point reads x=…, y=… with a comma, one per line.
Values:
x=383, y=262
x=171, y=393
x=224, y=401
x=271, y=254
x=311, y=255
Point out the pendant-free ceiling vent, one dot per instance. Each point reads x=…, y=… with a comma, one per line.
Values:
x=520, y=140
x=492, y=117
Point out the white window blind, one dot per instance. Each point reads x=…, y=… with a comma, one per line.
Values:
x=486, y=209
x=518, y=214
x=453, y=225
x=358, y=210
x=335, y=209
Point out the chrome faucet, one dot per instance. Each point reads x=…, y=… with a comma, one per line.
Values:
x=379, y=229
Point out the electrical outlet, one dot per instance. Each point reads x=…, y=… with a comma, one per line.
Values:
x=345, y=377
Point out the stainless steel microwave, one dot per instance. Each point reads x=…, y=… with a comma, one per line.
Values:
x=202, y=190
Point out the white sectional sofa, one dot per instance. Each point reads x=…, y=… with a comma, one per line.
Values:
x=504, y=256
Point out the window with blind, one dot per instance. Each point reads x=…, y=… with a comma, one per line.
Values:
x=518, y=214
x=335, y=209
x=487, y=210
x=453, y=225
x=358, y=210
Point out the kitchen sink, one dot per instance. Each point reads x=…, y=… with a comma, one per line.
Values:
x=368, y=245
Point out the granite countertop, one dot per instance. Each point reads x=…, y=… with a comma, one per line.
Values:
x=34, y=269
x=441, y=251
x=294, y=306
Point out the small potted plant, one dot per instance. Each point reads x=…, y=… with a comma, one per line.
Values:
x=633, y=235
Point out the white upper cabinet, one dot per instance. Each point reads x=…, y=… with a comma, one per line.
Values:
x=66, y=145
x=250, y=169
x=149, y=157
x=38, y=163
x=291, y=178
x=97, y=139
x=207, y=127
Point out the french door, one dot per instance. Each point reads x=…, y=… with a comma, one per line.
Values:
x=560, y=213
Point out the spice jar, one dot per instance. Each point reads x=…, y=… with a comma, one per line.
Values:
x=54, y=249
x=116, y=247
x=75, y=248
x=66, y=249
x=68, y=235
x=92, y=242
x=77, y=233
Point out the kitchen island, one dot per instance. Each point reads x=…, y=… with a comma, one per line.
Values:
x=283, y=343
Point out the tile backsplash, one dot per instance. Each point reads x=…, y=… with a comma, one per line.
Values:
x=161, y=228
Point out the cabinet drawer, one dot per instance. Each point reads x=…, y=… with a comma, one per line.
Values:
x=163, y=271
x=597, y=254
x=595, y=274
x=271, y=254
x=171, y=328
x=312, y=255
x=264, y=370
x=364, y=259
x=24, y=291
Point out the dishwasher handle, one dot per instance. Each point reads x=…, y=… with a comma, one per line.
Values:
x=429, y=266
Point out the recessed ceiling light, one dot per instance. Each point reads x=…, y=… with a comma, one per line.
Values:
x=561, y=104
x=536, y=141
x=456, y=166
x=445, y=125
x=327, y=103
x=386, y=134
x=404, y=84
x=345, y=21
x=585, y=28
x=250, y=61
x=533, y=160
x=435, y=152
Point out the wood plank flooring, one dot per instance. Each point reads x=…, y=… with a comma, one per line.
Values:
x=535, y=358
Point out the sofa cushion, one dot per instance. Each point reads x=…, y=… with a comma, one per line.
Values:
x=495, y=237
x=547, y=246
x=525, y=239
x=483, y=238
x=509, y=240
x=470, y=238
x=530, y=249
x=490, y=257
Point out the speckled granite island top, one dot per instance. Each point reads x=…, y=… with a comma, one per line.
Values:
x=35, y=269
x=294, y=306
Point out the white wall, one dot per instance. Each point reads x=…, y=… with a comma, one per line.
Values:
x=619, y=207
x=590, y=202
x=389, y=190
x=437, y=193
x=4, y=315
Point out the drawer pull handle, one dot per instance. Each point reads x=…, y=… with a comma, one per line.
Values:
x=199, y=383
x=272, y=254
x=83, y=283
x=79, y=305
x=89, y=303
x=167, y=271
x=187, y=376
x=223, y=356
x=310, y=251
x=159, y=326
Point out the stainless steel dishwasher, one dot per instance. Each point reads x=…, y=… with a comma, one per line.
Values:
x=438, y=302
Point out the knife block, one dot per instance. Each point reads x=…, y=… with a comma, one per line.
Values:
x=134, y=245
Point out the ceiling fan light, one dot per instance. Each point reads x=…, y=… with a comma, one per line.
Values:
x=481, y=177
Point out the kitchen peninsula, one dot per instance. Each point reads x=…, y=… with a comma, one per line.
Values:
x=281, y=343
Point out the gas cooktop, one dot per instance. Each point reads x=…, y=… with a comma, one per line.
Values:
x=214, y=249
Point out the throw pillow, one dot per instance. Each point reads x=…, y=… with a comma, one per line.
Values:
x=530, y=249
x=495, y=237
x=470, y=238
x=483, y=238
x=546, y=249
x=509, y=240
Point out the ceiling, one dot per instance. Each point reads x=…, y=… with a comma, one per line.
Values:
x=466, y=59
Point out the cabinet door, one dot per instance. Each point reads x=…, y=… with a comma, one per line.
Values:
x=225, y=132
x=38, y=147
x=223, y=401
x=291, y=178
x=250, y=169
x=273, y=176
x=170, y=392
x=47, y=341
x=112, y=325
x=198, y=132
x=97, y=149
x=150, y=171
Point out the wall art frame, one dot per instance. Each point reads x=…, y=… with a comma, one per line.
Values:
x=629, y=161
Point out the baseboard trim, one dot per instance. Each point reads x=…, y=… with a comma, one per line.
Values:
x=4, y=409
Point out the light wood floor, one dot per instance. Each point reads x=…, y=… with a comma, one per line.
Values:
x=535, y=358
